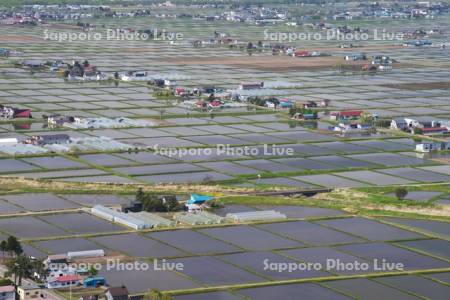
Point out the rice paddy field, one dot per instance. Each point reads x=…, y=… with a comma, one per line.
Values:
x=45, y=197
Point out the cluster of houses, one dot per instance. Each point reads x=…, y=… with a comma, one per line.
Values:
x=9, y=112
x=83, y=72
x=35, y=14
x=26, y=291
x=76, y=122
x=424, y=9
x=421, y=125
x=350, y=122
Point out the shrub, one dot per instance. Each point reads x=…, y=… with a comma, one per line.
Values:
x=401, y=193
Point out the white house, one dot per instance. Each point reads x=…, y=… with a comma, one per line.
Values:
x=64, y=281
x=432, y=146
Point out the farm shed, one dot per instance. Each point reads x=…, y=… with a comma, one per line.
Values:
x=255, y=216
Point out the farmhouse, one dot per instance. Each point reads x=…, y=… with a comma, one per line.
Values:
x=432, y=146
x=29, y=291
x=356, y=56
x=8, y=112
x=117, y=293
x=251, y=85
x=64, y=281
x=52, y=139
x=7, y=293
x=346, y=115
x=399, y=124
x=94, y=282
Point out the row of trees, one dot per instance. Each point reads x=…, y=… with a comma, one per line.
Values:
x=19, y=265
x=11, y=246
x=154, y=203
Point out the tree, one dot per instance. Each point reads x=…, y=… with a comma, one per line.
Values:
x=93, y=271
x=153, y=203
x=367, y=118
x=171, y=202
x=13, y=245
x=3, y=247
x=19, y=267
x=40, y=269
x=140, y=195
x=401, y=193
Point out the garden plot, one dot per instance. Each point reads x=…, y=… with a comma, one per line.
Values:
x=294, y=211
x=416, y=174
x=33, y=252
x=100, y=179
x=103, y=159
x=39, y=201
x=419, y=196
x=369, y=229
x=433, y=227
x=273, y=126
x=214, y=272
x=362, y=288
x=146, y=132
x=97, y=199
x=54, y=162
x=291, y=292
x=216, y=140
x=81, y=223
x=228, y=167
x=29, y=227
x=302, y=136
x=389, y=159
x=309, y=233
x=186, y=131
x=145, y=157
x=373, y=178
x=267, y=165
x=185, y=177
x=284, y=182
x=439, y=248
x=233, y=208
x=160, y=142
x=59, y=174
x=417, y=285
x=250, y=238
x=8, y=208
x=12, y=165
x=384, y=145
x=259, y=138
x=254, y=262
x=208, y=296
x=138, y=246
x=439, y=169
x=327, y=180
x=442, y=277
x=111, y=133
x=193, y=242
x=249, y=128
x=66, y=245
x=307, y=149
x=325, y=256
x=159, y=169
x=410, y=260
x=343, y=162
x=343, y=147
x=304, y=163
x=217, y=129
x=139, y=281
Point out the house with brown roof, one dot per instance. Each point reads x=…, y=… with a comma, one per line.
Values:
x=117, y=293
